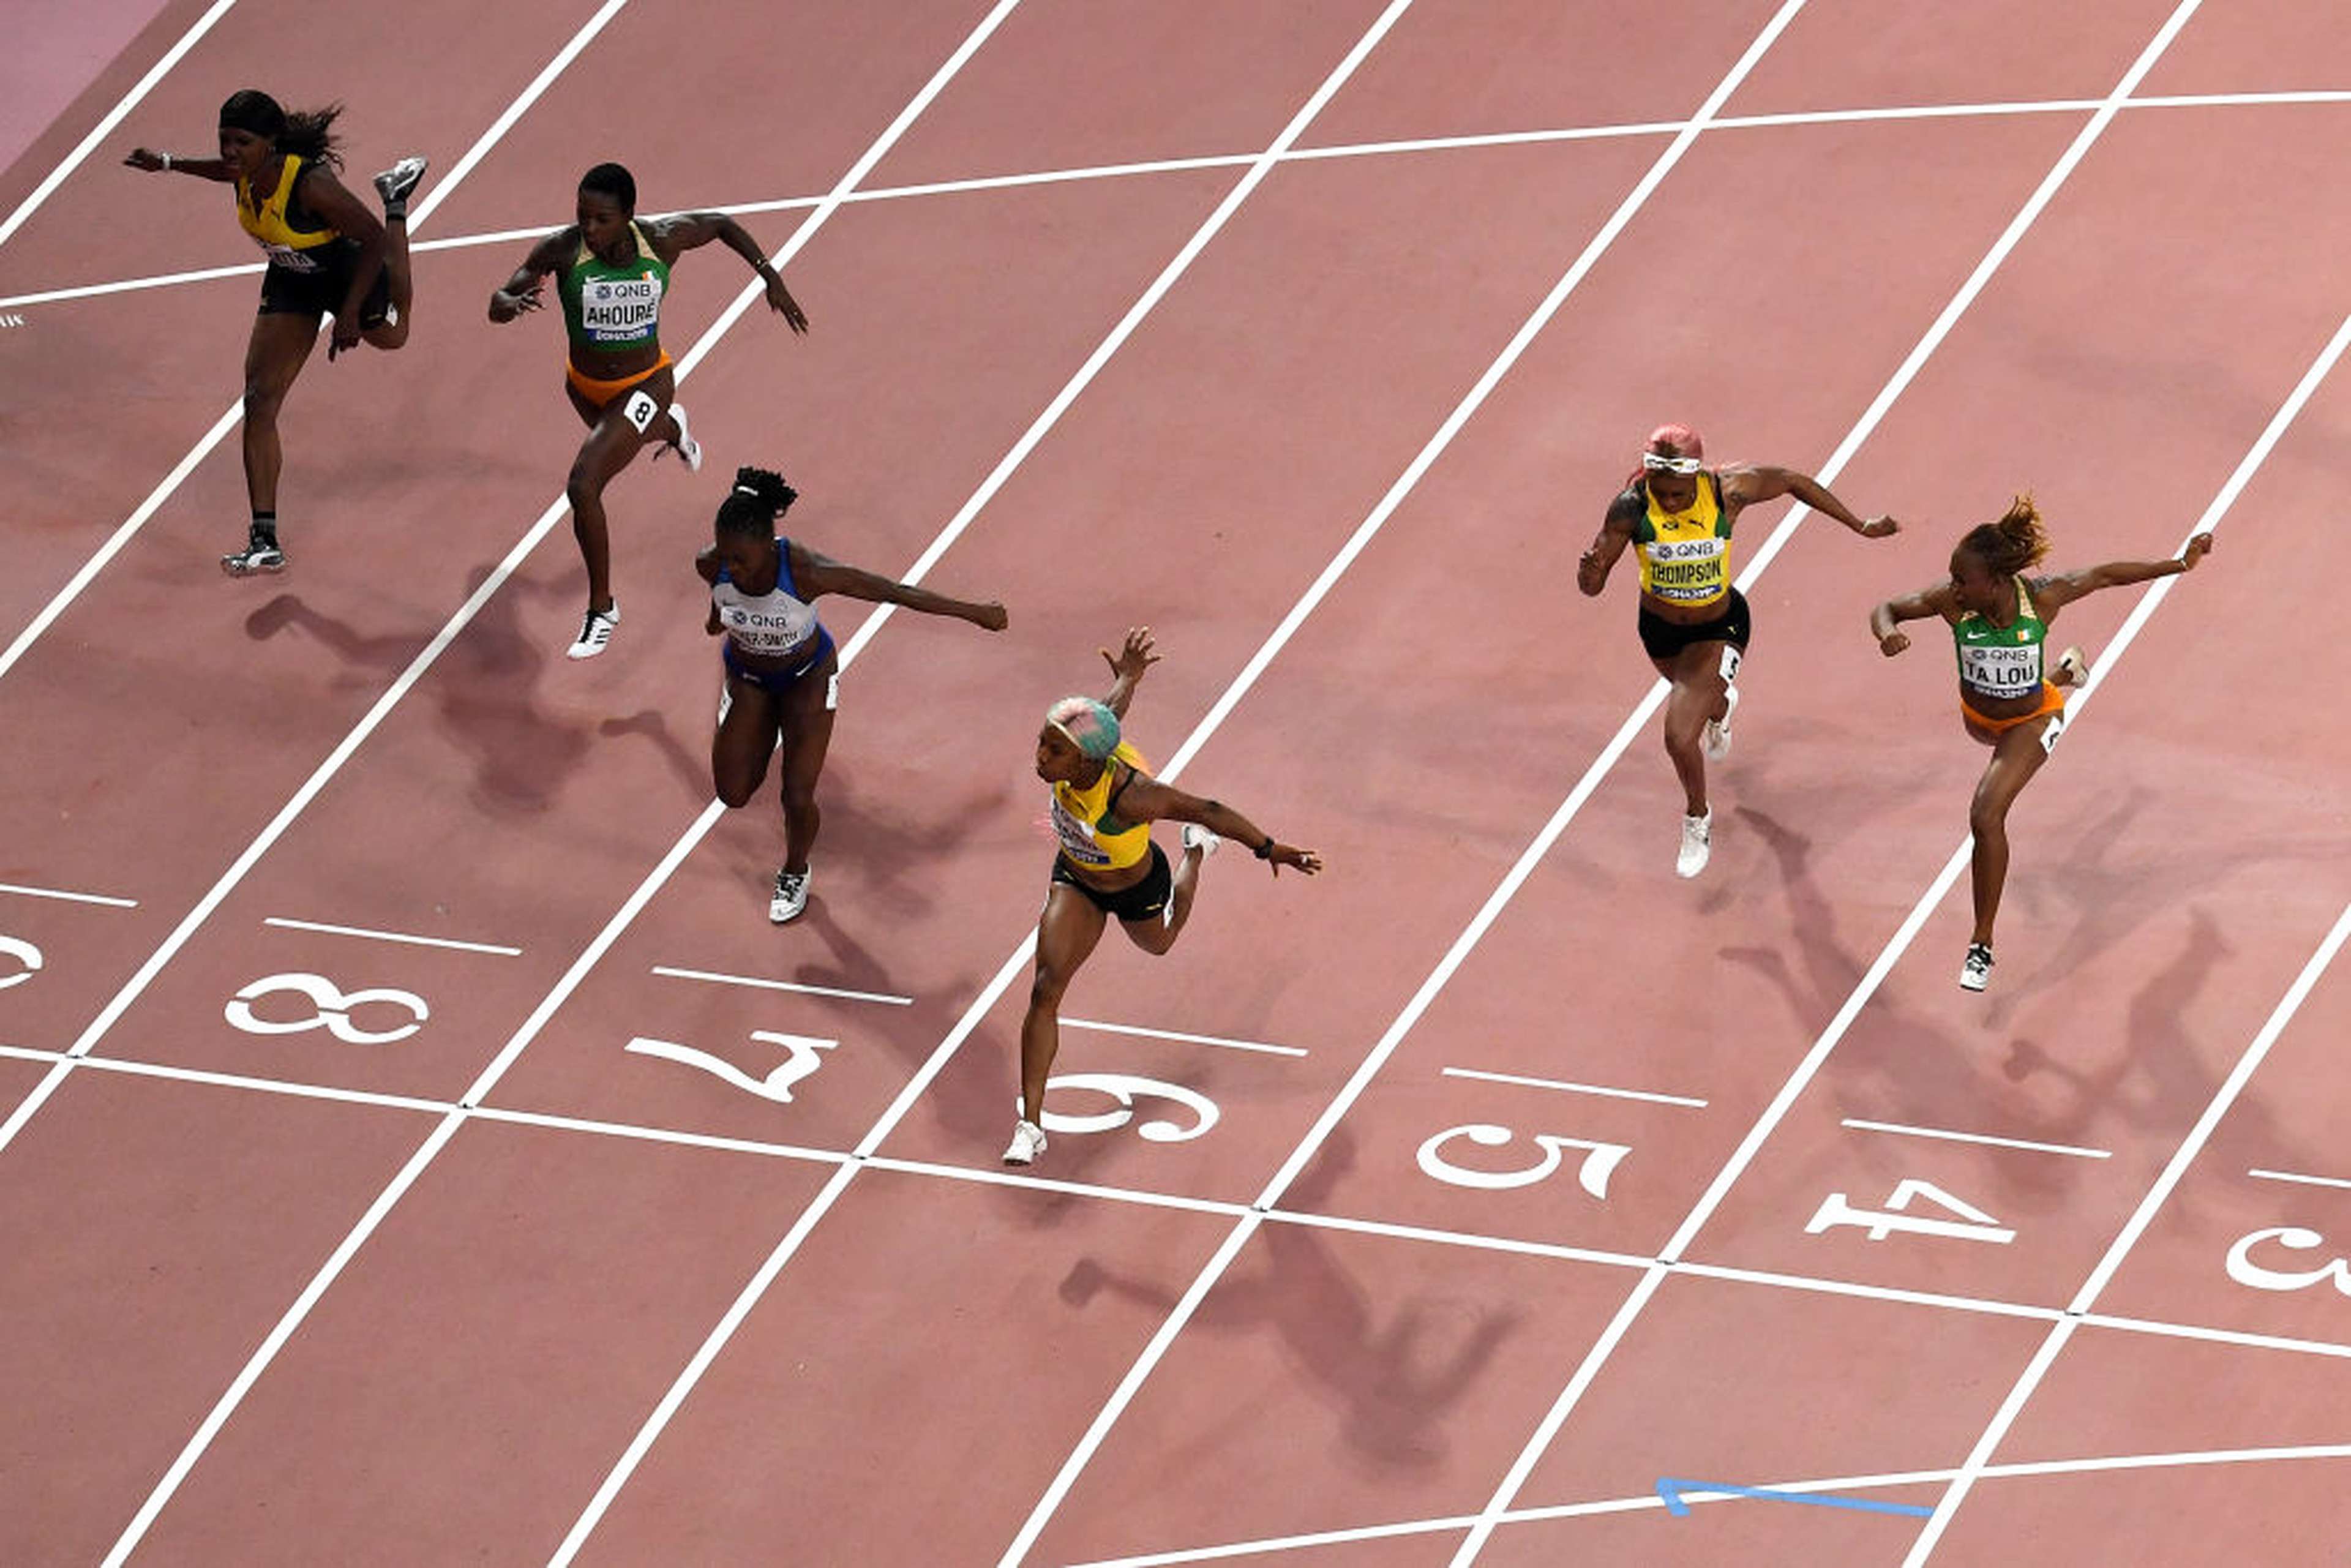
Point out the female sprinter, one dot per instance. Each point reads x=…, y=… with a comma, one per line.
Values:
x=782, y=674
x=327, y=253
x=2000, y=619
x=1678, y=513
x=1104, y=805
x=612, y=275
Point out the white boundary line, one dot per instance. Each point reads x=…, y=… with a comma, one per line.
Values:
x=123, y=535
x=114, y=116
x=1443, y=1524
x=1662, y=128
x=712, y=977
x=68, y=897
x=2296, y=1176
x=439, y=1139
x=401, y=936
x=1185, y=1039
x=1979, y=1458
x=1737, y=1165
x=990, y=1177
x=1606, y=1093
x=1946, y=1136
x=1176, y=1320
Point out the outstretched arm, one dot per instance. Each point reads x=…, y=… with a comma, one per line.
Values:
x=1126, y=667
x=817, y=575
x=1593, y=567
x=152, y=162
x=682, y=231
x=1745, y=484
x=1921, y=606
x=1148, y=800
x=521, y=290
x=2065, y=587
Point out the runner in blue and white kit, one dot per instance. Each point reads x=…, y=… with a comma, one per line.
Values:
x=782, y=674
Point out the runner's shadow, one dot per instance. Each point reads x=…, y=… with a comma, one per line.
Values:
x=483, y=687
x=1900, y=1068
x=1390, y=1384
x=2158, y=1079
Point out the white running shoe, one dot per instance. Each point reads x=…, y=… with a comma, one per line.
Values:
x=259, y=555
x=1698, y=836
x=1976, y=972
x=1196, y=837
x=688, y=449
x=1028, y=1142
x=595, y=632
x=791, y=896
x=1715, y=742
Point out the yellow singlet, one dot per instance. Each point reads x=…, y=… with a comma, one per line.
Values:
x=1090, y=836
x=276, y=229
x=1686, y=556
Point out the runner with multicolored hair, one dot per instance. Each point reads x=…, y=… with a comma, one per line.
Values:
x=1676, y=513
x=1104, y=802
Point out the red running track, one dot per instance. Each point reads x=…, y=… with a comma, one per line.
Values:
x=1336, y=423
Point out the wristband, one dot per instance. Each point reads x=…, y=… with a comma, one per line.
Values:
x=167, y=162
x=1264, y=852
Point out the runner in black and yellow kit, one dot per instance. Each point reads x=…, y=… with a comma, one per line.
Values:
x=612, y=276
x=1678, y=514
x=1999, y=619
x=1104, y=802
x=327, y=253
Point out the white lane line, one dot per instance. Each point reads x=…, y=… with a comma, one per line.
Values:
x=114, y=116
x=1175, y=1322
x=1810, y=1066
x=1659, y=128
x=714, y=977
x=1185, y=1039
x=1646, y=1094
x=1443, y=1524
x=227, y=422
x=424, y=1156
x=2297, y=1177
x=26, y=892
x=1944, y=1133
x=401, y=936
x=1980, y=1457
x=2237, y=1337
x=984, y=1175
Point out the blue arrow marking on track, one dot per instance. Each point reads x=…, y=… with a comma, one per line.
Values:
x=1671, y=1488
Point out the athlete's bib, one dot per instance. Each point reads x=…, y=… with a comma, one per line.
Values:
x=2003, y=661
x=1686, y=556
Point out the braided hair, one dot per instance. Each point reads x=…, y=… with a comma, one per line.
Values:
x=2010, y=545
x=752, y=507
x=307, y=133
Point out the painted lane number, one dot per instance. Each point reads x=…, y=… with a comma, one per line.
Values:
x=330, y=1008
x=1968, y=1223
x=2293, y=1238
x=1592, y=1172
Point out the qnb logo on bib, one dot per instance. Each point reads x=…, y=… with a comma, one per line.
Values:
x=619, y=306
x=1688, y=549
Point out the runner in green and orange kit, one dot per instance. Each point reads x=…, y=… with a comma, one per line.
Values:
x=1999, y=622
x=612, y=272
